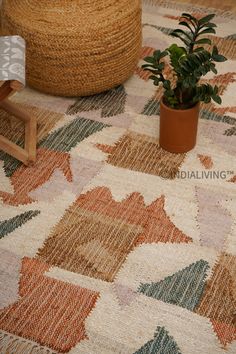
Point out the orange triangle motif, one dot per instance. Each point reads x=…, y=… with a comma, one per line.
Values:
x=225, y=332
x=27, y=179
x=206, y=161
x=157, y=225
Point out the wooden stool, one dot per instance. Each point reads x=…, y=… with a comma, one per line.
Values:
x=9, y=70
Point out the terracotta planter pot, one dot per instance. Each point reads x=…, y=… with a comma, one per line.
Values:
x=178, y=128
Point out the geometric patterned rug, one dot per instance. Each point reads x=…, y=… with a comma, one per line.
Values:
x=108, y=244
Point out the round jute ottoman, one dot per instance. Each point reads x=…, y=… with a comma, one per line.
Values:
x=76, y=47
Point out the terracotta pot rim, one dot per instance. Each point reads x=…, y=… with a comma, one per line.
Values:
x=178, y=110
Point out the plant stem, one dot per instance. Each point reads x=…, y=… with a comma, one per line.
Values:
x=194, y=39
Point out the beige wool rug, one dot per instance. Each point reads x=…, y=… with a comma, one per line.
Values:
x=108, y=244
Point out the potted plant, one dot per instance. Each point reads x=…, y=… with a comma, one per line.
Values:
x=183, y=92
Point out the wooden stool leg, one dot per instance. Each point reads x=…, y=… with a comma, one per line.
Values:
x=30, y=138
x=12, y=149
x=28, y=154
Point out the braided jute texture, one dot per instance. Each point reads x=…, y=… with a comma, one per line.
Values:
x=76, y=48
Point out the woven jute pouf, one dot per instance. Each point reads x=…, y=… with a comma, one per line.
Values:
x=76, y=47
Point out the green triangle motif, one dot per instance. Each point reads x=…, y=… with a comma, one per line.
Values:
x=151, y=108
x=184, y=288
x=231, y=36
x=111, y=102
x=63, y=139
x=231, y=131
x=67, y=137
x=10, y=163
x=8, y=226
x=162, y=343
x=208, y=115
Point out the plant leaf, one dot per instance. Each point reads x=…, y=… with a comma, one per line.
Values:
x=164, y=54
x=144, y=66
x=215, y=50
x=203, y=41
x=166, y=85
x=176, y=53
x=210, y=24
x=213, y=69
x=186, y=42
x=198, y=49
x=207, y=30
x=149, y=60
x=217, y=99
x=207, y=99
x=186, y=24
x=189, y=17
x=206, y=19
x=181, y=32
x=219, y=58
x=157, y=54
x=161, y=66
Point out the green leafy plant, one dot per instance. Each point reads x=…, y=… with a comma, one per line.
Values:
x=189, y=64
